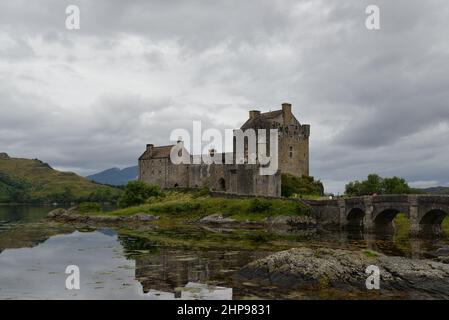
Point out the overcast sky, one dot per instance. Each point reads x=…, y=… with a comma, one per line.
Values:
x=90, y=99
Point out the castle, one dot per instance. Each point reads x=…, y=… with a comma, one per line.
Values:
x=156, y=167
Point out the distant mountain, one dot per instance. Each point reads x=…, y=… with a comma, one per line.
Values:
x=436, y=190
x=115, y=176
x=26, y=180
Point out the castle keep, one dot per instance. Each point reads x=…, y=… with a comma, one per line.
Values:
x=155, y=166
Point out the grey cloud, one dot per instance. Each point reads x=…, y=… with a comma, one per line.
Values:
x=374, y=99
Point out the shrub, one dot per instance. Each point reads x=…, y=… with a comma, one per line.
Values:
x=137, y=192
x=103, y=195
x=304, y=185
x=259, y=205
x=89, y=207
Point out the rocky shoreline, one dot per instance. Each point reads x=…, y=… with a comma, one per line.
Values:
x=343, y=269
x=73, y=216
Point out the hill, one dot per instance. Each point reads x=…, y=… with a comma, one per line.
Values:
x=436, y=190
x=115, y=176
x=32, y=181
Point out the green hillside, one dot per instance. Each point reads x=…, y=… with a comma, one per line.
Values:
x=25, y=181
x=436, y=190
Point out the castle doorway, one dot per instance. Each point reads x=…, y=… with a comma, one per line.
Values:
x=221, y=184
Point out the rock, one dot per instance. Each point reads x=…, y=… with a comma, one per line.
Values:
x=216, y=218
x=442, y=252
x=56, y=213
x=144, y=217
x=443, y=259
x=104, y=219
x=293, y=221
x=72, y=209
x=345, y=269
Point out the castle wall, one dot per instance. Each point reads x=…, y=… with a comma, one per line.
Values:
x=153, y=171
x=236, y=179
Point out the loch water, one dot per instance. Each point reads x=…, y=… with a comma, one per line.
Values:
x=34, y=255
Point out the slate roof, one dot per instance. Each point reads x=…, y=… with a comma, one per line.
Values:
x=262, y=121
x=158, y=153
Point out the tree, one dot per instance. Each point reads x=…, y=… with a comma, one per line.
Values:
x=137, y=192
x=374, y=184
x=396, y=185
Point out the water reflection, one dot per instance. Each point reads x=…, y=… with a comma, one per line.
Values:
x=105, y=272
x=193, y=291
x=34, y=255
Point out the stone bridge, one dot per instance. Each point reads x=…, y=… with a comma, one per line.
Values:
x=376, y=213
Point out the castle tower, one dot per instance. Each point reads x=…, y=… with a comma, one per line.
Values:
x=293, y=143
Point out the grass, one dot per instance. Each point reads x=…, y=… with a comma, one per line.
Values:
x=445, y=225
x=185, y=205
x=370, y=254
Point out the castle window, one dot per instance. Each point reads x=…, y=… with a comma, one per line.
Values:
x=291, y=152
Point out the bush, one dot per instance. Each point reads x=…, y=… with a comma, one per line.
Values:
x=137, y=192
x=103, y=195
x=89, y=207
x=65, y=196
x=304, y=185
x=259, y=205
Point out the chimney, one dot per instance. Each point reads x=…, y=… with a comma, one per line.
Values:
x=150, y=149
x=254, y=113
x=287, y=113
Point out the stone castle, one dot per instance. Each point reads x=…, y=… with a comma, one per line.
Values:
x=155, y=166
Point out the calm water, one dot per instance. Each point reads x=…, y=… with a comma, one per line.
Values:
x=34, y=255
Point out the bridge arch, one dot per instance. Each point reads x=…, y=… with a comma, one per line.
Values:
x=383, y=219
x=430, y=223
x=355, y=218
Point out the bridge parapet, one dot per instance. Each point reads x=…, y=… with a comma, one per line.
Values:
x=391, y=198
x=426, y=212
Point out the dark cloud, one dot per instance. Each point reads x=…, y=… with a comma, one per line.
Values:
x=91, y=99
